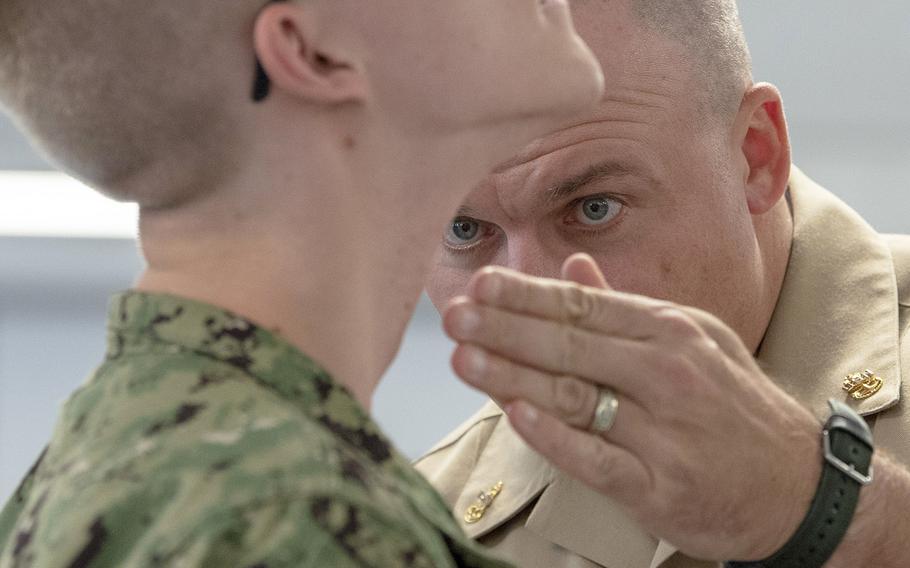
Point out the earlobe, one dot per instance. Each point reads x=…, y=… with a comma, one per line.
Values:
x=765, y=147
x=286, y=42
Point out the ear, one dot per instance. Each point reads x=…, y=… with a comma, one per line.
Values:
x=765, y=144
x=286, y=39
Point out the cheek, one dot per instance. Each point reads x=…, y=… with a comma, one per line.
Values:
x=706, y=274
x=667, y=269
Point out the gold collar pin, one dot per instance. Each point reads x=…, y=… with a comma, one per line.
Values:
x=476, y=511
x=863, y=385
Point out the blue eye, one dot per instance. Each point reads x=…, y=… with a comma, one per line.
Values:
x=463, y=231
x=597, y=210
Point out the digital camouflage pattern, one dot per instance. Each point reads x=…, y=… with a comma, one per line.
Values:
x=205, y=440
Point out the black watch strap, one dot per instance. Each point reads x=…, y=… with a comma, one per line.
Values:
x=848, y=451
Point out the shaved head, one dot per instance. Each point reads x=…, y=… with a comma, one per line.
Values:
x=710, y=32
x=109, y=88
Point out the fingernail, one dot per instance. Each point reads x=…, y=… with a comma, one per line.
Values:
x=476, y=363
x=468, y=321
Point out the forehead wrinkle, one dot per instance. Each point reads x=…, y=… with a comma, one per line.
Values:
x=526, y=158
x=637, y=102
x=643, y=92
x=641, y=95
x=563, y=139
x=628, y=106
x=603, y=171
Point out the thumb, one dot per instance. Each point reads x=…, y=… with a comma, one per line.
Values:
x=581, y=269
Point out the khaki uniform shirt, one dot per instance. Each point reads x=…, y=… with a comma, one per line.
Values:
x=844, y=308
x=204, y=440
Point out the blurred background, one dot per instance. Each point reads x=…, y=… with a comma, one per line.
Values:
x=844, y=69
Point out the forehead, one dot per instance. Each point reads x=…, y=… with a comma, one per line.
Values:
x=640, y=147
x=637, y=130
x=572, y=167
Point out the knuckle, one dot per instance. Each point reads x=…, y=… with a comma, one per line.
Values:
x=708, y=343
x=569, y=396
x=675, y=323
x=575, y=346
x=577, y=303
x=711, y=324
x=603, y=462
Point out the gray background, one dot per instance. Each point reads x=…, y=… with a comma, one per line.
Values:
x=844, y=69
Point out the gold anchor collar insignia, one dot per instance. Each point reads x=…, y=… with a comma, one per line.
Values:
x=476, y=511
x=863, y=385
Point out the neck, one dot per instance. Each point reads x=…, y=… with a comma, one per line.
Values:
x=326, y=241
x=776, y=238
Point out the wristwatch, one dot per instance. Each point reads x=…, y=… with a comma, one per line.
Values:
x=847, y=443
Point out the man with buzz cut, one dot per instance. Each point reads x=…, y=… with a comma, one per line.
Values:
x=292, y=163
x=664, y=406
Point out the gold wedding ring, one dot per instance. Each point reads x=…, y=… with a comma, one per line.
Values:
x=605, y=412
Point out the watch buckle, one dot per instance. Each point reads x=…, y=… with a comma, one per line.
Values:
x=847, y=469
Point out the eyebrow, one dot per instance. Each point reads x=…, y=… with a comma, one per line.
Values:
x=466, y=211
x=602, y=171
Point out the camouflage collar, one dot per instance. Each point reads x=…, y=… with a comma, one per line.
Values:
x=139, y=322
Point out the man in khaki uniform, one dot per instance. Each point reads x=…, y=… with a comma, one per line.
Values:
x=840, y=271
x=831, y=298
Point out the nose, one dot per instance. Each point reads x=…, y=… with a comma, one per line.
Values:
x=527, y=254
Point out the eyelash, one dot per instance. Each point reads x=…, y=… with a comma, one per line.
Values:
x=486, y=229
x=596, y=229
x=589, y=230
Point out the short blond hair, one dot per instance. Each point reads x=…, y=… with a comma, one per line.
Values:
x=712, y=32
x=111, y=88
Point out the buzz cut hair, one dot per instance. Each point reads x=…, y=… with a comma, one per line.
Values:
x=114, y=89
x=712, y=32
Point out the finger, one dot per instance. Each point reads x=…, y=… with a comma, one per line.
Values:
x=603, y=311
x=565, y=397
x=557, y=348
x=606, y=468
x=722, y=336
x=581, y=269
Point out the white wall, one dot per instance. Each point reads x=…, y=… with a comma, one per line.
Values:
x=844, y=68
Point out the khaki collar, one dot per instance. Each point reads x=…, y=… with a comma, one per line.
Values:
x=561, y=509
x=837, y=314
x=524, y=475
x=838, y=310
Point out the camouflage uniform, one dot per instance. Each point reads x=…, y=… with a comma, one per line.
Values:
x=204, y=440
